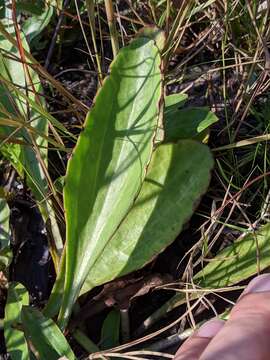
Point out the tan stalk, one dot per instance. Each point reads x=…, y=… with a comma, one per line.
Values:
x=41, y=71
x=56, y=245
x=90, y=6
x=112, y=27
x=84, y=36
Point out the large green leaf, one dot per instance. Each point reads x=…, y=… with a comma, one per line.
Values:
x=232, y=265
x=45, y=335
x=14, y=337
x=177, y=176
x=109, y=162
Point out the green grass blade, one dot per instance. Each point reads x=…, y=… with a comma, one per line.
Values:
x=4, y=224
x=232, y=265
x=110, y=331
x=46, y=337
x=238, y=262
x=19, y=95
x=12, y=70
x=14, y=338
x=5, y=233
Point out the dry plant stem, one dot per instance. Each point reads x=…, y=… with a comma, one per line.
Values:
x=43, y=72
x=90, y=6
x=85, y=37
x=265, y=73
x=176, y=339
x=140, y=21
x=134, y=355
x=173, y=35
x=197, y=50
x=219, y=232
x=152, y=335
x=112, y=27
x=56, y=31
x=246, y=185
x=117, y=355
x=168, y=7
x=179, y=338
x=151, y=353
x=122, y=29
x=55, y=246
x=175, y=73
x=28, y=79
x=246, y=142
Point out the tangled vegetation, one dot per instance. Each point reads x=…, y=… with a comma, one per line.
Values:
x=134, y=171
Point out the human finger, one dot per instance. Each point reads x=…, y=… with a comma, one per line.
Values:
x=196, y=344
x=246, y=334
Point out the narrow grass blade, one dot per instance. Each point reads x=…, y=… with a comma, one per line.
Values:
x=110, y=331
x=20, y=88
x=235, y=263
x=45, y=336
x=22, y=157
x=14, y=337
x=4, y=224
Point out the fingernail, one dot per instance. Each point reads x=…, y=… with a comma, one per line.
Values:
x=210, y=328
x=260, y=283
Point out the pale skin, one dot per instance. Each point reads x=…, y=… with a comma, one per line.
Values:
x=245, y=336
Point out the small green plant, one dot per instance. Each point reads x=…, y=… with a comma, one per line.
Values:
x=134, y=178
x=127, y=191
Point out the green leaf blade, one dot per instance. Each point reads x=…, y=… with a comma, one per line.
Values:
x=177, y=177
x=14, y=338
x=187, y=123
x=109, y=162
x=34, y=25
x=12, y=105
x=4, y=224
x=239, y=261
x=110, y=331
x=233, y=264
x=25, y=107
x=44, y=334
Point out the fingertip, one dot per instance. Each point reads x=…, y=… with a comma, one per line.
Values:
x=210, y=328
x=197, y=343
x=260, y=283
